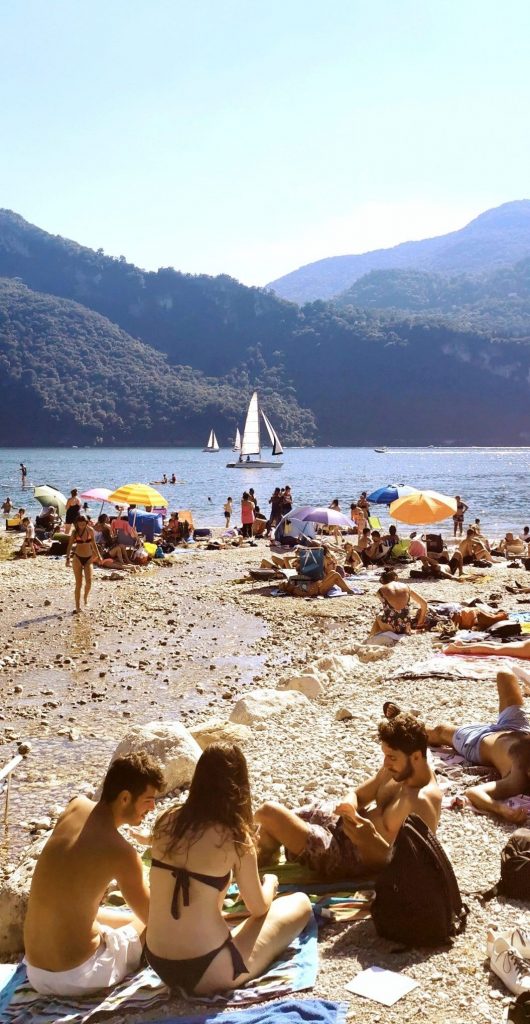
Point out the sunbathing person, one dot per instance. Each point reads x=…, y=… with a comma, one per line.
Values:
x=395, y=598
x=353, y=561
x=512, y=650
x=73, y=945
x=504, y=744
x=316, y=588
x=196, y=847
x=472, y=549
x=511, y=546
x=358, y=836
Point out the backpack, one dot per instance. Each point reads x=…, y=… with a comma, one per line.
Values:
x=515, y=868
x=417, y=899
x=311, y=562
x=434, y=542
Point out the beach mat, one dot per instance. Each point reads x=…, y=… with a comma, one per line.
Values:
x=294, y=971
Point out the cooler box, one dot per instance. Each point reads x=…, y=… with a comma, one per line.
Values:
x=147, y=523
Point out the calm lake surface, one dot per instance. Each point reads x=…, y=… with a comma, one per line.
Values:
x=495, y=482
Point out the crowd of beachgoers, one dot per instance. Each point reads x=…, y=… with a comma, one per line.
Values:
x=432, y=606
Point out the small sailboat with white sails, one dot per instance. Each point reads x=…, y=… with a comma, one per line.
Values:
x=237, y=441
x=250, y=455
x=212, y=445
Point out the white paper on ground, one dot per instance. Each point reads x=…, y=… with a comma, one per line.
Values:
x=384, y=987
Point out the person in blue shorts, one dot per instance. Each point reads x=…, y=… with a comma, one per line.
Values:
x=503, y=745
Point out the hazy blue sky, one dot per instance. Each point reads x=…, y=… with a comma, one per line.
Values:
x=251, y=137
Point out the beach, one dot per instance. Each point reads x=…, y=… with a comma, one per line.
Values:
x=184, y=643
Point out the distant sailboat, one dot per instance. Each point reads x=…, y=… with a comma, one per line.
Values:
x=250, y=457
x=237, y=442
x=212, y=445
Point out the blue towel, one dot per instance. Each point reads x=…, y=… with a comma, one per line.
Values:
x=287, y=1011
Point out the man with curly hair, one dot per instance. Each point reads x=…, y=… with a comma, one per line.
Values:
x=357, y=835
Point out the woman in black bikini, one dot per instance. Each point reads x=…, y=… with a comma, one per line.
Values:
x=86, y=549
x=195, y=849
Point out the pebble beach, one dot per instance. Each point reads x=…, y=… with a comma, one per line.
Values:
x=184, y=642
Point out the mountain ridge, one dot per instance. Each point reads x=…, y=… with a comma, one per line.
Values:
x=497, y=237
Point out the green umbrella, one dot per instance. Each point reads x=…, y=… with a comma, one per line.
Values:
x=51, y=496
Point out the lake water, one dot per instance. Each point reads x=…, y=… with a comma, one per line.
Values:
x=494, y=482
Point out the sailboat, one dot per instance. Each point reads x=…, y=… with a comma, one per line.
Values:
x=250, y=456
x=212, y=445
x=237, y=442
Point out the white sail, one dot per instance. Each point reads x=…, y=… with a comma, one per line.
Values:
x=210, y=440
x=213, y=443
x=275, y=440
x=237, y=442
x=250, y=444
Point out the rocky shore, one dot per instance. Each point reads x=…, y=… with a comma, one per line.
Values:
x=191, y=643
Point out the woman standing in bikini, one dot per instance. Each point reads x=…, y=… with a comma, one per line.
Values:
x=73, y=508
x=85, y=550
x=195, y=849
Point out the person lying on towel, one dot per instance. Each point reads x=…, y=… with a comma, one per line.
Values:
x=504, y=744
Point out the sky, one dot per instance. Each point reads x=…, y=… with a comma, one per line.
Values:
x=250, y=137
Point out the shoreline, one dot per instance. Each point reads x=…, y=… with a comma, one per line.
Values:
x=185, y=643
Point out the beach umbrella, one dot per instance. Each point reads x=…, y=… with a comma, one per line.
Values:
x=137, y=494
x=326, y=516
x=423, y=507
x=48, y=495
x=386, y=495
x=96, y=494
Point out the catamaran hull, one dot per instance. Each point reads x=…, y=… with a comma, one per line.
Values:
x=254, y=464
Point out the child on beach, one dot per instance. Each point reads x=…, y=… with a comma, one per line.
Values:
x=227, y=508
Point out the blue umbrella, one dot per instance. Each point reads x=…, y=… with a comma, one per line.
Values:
x=386, y=495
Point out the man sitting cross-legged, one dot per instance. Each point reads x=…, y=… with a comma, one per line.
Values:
x=504, y=744
x=73, y=946
x=358, y=836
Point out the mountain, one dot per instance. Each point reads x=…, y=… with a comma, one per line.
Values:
x=496, y=303
x=96, y=350
x=496, y=238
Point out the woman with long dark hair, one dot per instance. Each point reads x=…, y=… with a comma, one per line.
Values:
x=196, y=847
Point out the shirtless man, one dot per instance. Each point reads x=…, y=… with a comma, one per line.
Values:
x=472, y=548
x=370, y=816
x=505, y=745
x=73, y=945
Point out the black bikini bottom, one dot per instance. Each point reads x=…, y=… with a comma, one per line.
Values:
x=186, y=974
x=83, y=558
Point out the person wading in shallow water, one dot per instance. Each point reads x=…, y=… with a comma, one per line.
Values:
x=85, y=550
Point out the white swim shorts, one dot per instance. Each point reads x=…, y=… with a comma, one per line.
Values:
x=119, y=953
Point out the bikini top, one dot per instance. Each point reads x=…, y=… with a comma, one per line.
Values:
x=182, y=883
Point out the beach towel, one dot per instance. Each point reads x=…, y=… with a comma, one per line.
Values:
x=286, y=1011
x=294, y=971
x=465, y=666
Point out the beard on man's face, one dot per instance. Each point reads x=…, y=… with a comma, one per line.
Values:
x=405, y=772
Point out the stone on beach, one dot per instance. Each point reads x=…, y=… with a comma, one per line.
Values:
x=14, y=893
x=307, y=684
x=260, y=705
x=170, y=743
x=214, y=730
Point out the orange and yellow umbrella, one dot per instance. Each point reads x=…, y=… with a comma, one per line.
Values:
x=423, y=507
x=137, y=494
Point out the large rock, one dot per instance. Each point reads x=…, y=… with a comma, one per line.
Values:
x=171, y=744
x=14, y=893
x=261, y=705
x=307, y=684
x=216, y=731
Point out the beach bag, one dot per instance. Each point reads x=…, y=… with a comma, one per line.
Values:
x=515, y=868
x=311, y=562
x=519, y=1009
x=417, y=899
x=434, y=543
x=502, y=630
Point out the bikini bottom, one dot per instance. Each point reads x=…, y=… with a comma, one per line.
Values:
x=186, y=974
